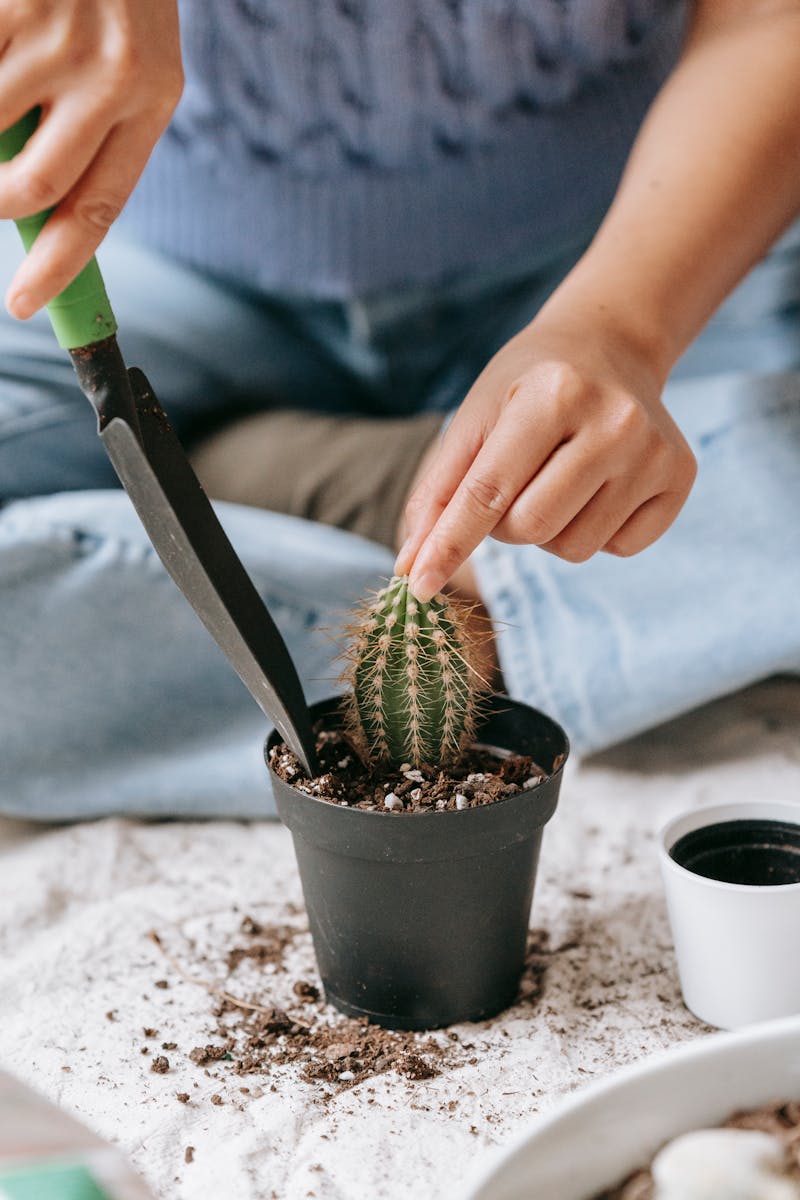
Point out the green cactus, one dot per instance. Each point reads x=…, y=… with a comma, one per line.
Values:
x=415, y=688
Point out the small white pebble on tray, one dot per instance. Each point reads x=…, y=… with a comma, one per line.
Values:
x=723, y=1164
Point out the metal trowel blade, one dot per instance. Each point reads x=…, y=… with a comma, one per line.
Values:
x=195, y=550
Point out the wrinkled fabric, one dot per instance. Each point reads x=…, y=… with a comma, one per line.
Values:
x=339, y=148
x=115, y=700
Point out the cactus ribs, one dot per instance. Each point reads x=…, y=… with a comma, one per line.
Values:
x=415, y=686
x=404, y=741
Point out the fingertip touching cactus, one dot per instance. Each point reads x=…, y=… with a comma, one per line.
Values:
x=415, y=686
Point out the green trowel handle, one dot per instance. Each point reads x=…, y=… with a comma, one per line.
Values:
x=81, y=315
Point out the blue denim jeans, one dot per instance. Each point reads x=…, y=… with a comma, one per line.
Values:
x=114, y=699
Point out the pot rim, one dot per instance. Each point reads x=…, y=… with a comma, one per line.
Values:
x=371, y=835
x=273, y=737
x=720, y=814
x=428, y=813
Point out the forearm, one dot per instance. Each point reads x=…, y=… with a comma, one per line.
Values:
x=713, y=178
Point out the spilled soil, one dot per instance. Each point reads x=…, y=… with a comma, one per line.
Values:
x=249, y=1037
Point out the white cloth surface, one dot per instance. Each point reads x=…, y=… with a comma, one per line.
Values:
x=77, y=903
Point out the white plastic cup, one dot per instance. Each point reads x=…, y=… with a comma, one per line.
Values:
x=738, y=945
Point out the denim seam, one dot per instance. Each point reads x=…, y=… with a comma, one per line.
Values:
x=273, y=596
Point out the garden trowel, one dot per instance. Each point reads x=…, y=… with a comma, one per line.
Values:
x=166, y=493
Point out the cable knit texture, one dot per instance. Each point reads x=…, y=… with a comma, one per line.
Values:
x=326, y=140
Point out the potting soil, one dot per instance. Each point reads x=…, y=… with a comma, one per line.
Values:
x=263, y=1018
x=479, y=777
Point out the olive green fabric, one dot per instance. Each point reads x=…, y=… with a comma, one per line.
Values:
x=351, y=472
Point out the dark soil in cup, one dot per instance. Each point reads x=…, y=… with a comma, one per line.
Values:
x=756, y=852
x=782, y=1119
x=480, y=777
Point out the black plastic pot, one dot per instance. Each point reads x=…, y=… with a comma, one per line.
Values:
x=420, y=919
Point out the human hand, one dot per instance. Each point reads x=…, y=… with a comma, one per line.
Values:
x=107, y=76
x=562, y=442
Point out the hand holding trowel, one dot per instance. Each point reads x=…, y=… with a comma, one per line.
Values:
x=166, y=494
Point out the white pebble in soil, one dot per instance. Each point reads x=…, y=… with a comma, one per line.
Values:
x=461, y=801
x=723, y=1164
x=392, y=802
x=414, y=776
x=287, y=764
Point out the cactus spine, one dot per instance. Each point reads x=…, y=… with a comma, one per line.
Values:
x=414, y=686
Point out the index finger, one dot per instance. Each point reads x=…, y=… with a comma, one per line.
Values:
x=457, y=449
x=514, y=452
x=53, y=159
x=78, y=225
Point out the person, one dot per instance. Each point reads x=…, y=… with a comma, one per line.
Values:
x=440, y=274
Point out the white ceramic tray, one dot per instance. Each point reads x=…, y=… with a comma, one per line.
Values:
x=597, y=1136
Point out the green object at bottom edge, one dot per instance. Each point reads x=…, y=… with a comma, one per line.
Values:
x=51, y=1182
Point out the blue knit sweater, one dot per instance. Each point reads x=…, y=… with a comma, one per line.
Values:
x=334, y=148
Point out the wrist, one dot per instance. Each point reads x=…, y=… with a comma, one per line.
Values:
x=605, y=306
x=583, y=320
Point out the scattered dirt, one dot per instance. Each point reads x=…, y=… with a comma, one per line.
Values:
x=305, y=990
x=160, y=1065
x=251, y=1037
x=781, y=1118
x=270, y=948
x=480, y=777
